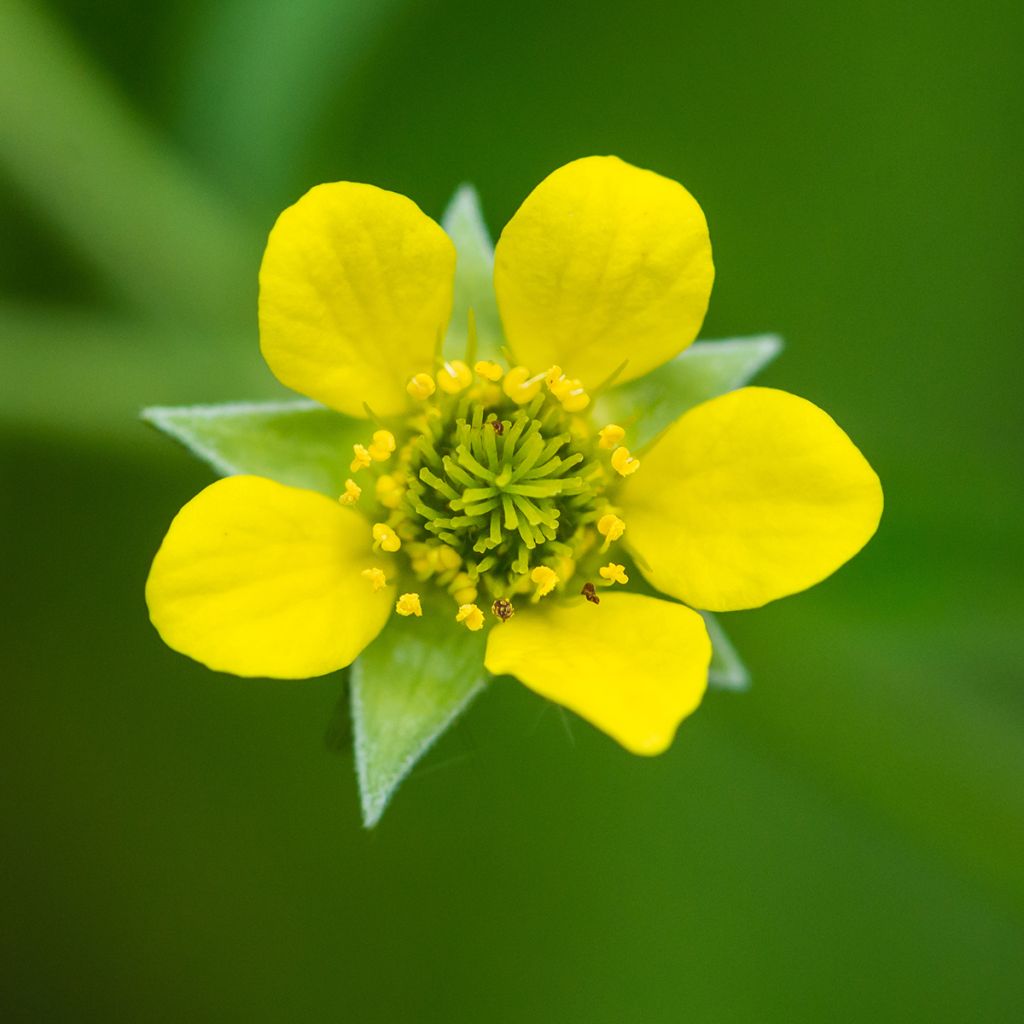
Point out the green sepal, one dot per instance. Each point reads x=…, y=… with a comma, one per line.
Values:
x=407, y=688
x=727, y=671
x=648, y=405
x=474, y=278
x=299, y=443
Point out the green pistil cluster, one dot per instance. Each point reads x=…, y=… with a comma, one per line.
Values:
x=507, y=487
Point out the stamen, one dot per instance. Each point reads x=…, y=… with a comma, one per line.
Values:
x=454, y=376
x=489, y=371
x=389, y=491
x=610, y=436
x=623, y=463
x=383, y=445
x=409, y=604
x=611, y=527
x=575, y=399
x=558, y=384
x=471, y=615
x=376, y=577
x=614, y=573
x=568, y=391
x=546, y=580
x=362, y=458
x=352, y=492
x=421, y=386
x=385, y=538
x=463, y=589
x=497, y=490
x=519, y=386
x=446, y=558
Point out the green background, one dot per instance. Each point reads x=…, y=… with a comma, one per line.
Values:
x=842, y=843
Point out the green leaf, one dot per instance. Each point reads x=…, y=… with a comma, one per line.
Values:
x=407, y=688
x=296, y=442
x=706, y=369
x=474, y=277
x=727, y=671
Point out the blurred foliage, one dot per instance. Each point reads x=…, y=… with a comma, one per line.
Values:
x=843, y=842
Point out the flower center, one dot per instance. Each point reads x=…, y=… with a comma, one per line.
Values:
x=500, y=486
x=507, y=488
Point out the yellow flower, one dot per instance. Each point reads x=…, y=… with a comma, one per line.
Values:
x=605, y=269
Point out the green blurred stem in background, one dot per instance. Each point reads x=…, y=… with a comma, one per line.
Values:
x=164, y=242
x=289, y=58
x=72, y=375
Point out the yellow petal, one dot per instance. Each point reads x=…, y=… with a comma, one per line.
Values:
x=602, y=263
x=259, y=579
x=633, y=666
x=355, y=288
x=749, y=497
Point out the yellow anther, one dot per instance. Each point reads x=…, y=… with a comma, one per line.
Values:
x=545, y=578
x=383, y=445
x=557, y=382
x=611, y=527
x=384, y=537
x=520, y=386
x=352, y=492
x=421, y=386
x=575, y=399
x=611, y=435
x=614, y=573
x=471, y=616
x=389, y=491
x=623, y=463
x=567, y=390
x=454, y=376
x=409, y=604
x=463, y=589
x=489, y=371
x=362, y=458
x=446, y=558
x=376, y=577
